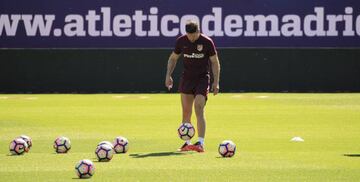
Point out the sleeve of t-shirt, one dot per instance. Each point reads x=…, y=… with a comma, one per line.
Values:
x=177, y=49
x=212, y=48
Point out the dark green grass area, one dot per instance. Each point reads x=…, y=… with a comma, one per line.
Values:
x=260, y=124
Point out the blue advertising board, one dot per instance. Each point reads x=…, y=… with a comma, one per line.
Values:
x=156, y=24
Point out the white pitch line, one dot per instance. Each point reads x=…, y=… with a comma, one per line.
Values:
x=118, y=96
x=31, y=98
x=262, y=97
x=236, y=96
x=143, y=97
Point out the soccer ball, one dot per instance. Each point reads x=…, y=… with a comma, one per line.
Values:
x=121, y=144
x=106, y=143
x=62, y=145
x=27, y=140
x=85, y=168
x=18, y=146
x=186, y=131
x=227, y=148
x=104, y=153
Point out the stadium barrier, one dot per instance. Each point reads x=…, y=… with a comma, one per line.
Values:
x=143, y=70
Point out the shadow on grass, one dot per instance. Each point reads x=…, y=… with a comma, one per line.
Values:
x=158, y=154
x=77, y=178
x=59, y=153
x=14, y=155
x=352, y=155
x=96, y=161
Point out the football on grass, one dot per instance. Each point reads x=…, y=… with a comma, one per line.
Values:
x=227, y=148
x=104, y=153
x=62, y=144
x=18, y=146
x=121, y=144
x=84, y=169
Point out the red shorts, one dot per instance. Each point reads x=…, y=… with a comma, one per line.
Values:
x=195, y=87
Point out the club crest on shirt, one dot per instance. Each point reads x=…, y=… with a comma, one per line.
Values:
x=199, y=47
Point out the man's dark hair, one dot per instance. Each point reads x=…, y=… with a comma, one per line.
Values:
x=191, y=27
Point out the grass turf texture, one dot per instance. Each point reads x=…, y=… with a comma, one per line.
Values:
x=260, y=124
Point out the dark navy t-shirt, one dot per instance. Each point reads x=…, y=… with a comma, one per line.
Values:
x=196, y=56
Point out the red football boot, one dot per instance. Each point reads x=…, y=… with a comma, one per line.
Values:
x=197, y=147
x=184, y=147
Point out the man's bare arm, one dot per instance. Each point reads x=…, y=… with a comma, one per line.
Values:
x=172, y=63
x=170, y=69
x=215, y=64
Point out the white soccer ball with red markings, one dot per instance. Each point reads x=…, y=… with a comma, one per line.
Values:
x=62, y=144
x=104, y=152
x=186, y=131
x=85, y=169
x=227, y=148
x=121, y=144
x=18, y=146
x=27, y=140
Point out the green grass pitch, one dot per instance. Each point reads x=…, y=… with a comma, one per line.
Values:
x=261, y=125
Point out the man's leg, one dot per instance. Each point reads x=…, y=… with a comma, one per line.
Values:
x=187, y=101
x=199, y=105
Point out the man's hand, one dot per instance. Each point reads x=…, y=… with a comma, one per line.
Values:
x=169, y=82
x=215, y=88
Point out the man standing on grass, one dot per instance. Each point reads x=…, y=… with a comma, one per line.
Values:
x=199, y=56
